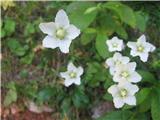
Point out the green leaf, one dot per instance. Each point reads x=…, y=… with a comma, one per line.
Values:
x=9, y=26
x=125, y=13
x=27, y=59
x=155, y=105
x=45, y=94
x=87, y=38
x=142, y=95
x=101, y=45
x=116, y=115
x=77, y=14
x=147, y=76
x=141, y=20
x=29, y=29
x=16, y=47
x=11, y=95
x=79, y=98
x=121, y=32
x=107, y=96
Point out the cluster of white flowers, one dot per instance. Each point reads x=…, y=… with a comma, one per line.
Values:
x=61, y=33
x=123, y=71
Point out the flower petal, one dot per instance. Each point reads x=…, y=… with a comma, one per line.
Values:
x=64, y=45
x=132, y=45
x=118, y=102
x=77, y=81
x=135, y=77
x=68, y=82
x=79, y=70
x=142, y=39
x=71, y=67
x=144, y=57
x=62, y=18
x=50, y=42
x=73, y=32
x=110, y=62
x=131, y=66
x=48, y=28
x=131, y=88
x=113, y=90
x=64, y=74
x=130, y=100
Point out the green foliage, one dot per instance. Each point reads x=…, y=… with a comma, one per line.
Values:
x=11, y=95
x=77, y=14
x=101, y=45
x=16, y=48
x=117, y=115
x=125, y=13
x=9, y=27
x=38, y=68
x=155, y=108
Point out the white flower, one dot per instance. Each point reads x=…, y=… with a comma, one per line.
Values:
x=141, y=48
x=59, y=33
x=72, y=75
x=117, y=59
x=126, y=73
x=123, y=93
x=115, y=44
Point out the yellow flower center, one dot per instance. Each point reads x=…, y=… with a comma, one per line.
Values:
x=124, y=74
x=118, y=62
x=140, y=48
x=60, y=33
x=123, y=92
x=72, y=75
x=114, y=45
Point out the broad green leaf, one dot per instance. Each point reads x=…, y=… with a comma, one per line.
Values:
x=76, y=11
x=108, y=24
x=101, y=45
x=117, y=115
x=142, y=95
x=141, y=20
x=87, y=38
x=155, y=105
x=125, y=13
x=147, y=76
x=121, y=32
x=9, y=26
x=144, y=106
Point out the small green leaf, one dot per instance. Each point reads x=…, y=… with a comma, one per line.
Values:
x=9, y=26
x=101, y=45
x=11, y=95
x=29, y=29
x=27, y=59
